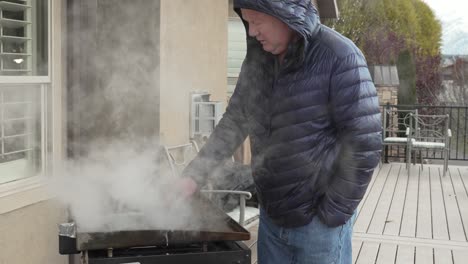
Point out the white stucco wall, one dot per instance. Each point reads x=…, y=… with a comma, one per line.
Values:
x=30, y=235
x=193, y=58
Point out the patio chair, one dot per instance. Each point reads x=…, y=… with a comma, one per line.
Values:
x=396, y=127
x=431, y=132
x=179, y=157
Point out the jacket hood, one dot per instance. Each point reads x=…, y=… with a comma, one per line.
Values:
x=299, y=15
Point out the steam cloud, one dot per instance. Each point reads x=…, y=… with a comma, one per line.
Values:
x=118, y=188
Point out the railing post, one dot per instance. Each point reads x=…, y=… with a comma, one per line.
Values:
x=386, y=124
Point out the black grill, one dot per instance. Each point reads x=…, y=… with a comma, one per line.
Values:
x=209, y=253
x=216, y=243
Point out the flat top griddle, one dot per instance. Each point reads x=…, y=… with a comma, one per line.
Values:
x=209, y=224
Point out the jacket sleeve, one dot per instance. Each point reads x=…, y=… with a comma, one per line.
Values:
x=230, y=132
x=356, y=114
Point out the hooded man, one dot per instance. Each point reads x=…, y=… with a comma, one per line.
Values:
x=306, y=100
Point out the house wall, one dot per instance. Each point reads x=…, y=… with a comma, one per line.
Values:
x=113, y=73
x=193, y=58
x=30, y=234
x=127, y=62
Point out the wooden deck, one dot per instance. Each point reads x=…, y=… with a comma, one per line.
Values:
x=421, y=219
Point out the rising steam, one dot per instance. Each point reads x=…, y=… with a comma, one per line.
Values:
x=118, y=188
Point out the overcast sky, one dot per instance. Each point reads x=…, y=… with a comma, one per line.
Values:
x=454, y=17
x=448, y=9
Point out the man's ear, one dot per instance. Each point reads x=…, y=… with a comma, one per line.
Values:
x=295, y=37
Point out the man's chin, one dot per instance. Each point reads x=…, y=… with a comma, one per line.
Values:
x=270, y=50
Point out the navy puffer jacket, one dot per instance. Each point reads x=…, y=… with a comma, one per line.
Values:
x=313, y=121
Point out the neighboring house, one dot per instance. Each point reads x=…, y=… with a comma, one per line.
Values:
x=454, y=75
x=455, y=68
x=387, y=83
x=65, y=64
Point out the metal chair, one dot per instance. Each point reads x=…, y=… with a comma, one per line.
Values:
x=431, y=132
x=396, y=128
x=179, y=157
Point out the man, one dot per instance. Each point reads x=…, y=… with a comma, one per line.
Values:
x=306, y=99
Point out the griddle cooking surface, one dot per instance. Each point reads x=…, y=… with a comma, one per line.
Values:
x=208, y=224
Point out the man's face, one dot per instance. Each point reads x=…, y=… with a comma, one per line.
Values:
x=271, y=32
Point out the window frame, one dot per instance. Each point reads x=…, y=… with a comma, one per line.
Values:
x=23, y=192
x=36, y=79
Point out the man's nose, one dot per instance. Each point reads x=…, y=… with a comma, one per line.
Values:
x=253, y=32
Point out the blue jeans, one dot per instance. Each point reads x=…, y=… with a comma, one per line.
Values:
x=314, y=243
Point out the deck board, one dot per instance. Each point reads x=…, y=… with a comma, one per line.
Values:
x=356, y=250
x=461, y=197
x=443, y=256
x=371, y=183
x=405, y=255
x=439, y=219
x=459, y=256
x=424, y=219
x=387, y=254
x=455, y=226
x=368, y=254
x=410, y=209
x=464, y=177
x=424, y=255
x=367, y=211
x=395, y=214
x=379, y=218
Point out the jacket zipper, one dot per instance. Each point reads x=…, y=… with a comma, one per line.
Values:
x=276, y=72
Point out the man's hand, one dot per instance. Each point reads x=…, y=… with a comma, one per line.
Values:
x=186, y=187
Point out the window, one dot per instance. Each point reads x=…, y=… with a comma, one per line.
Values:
x=21, y=132
x=205, y=115
x=237, y=49
x=24, y=88
x=23, y=38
